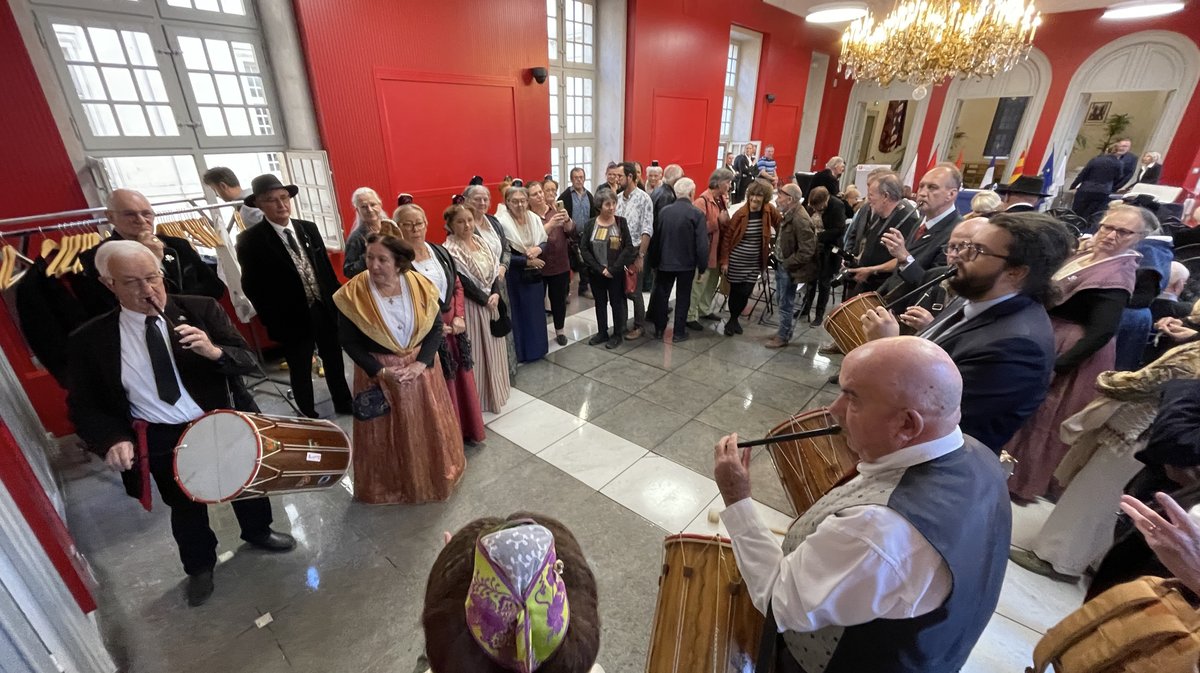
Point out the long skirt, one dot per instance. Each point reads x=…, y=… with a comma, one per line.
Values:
x=510, y=348
x=491, y=359
x=414, y=453
x=527, y=310
x=1037, y=446
x=463, y=395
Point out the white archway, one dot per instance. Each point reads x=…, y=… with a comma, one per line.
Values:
x=1151, y=60
x=856, y=115
x=1030, y=77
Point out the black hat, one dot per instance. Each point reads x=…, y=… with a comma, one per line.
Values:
x=267, y=183
x=1024, y=184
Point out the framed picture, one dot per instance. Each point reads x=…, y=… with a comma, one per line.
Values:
x=1098, y=112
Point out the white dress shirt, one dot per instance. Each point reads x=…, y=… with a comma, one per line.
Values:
x=860, y=564
x=282, y=231
x=137, y=375
x=432, y=270
x=397, y=312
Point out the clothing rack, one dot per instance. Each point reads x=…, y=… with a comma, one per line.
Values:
x=79, y=211
x=96, y=220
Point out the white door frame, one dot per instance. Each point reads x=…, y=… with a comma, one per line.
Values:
x=865, y=92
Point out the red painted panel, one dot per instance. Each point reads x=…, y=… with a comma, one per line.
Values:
x=781, y=128
x=833, y=115
x=678, y=130
x=449, y=41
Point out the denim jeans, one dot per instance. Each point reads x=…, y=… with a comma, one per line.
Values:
x=785, y=297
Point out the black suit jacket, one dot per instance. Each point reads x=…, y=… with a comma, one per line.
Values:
x=824, y=178
x=1151, y=175
x=1006, y=357
x=905, y=218
x=272, y=282
x=564, y=202
x=927, y=253
x=183, y=270
x=1103, y=174
x=96, y=399
x=1129, y=164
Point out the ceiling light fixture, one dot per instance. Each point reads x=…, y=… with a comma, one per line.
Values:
x=1140, y=9
x=837, y=12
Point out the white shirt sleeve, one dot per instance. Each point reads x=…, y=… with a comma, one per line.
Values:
x=861, y=564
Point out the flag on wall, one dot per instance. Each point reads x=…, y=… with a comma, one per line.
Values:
x=910, y=175
x=932, y=161
x=1018, y=168
x=1048, y=173
x=893, y=126
x=989, y=175
x=958, y=163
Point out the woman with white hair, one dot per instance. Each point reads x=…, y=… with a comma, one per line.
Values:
x=368, y=219
x=527, y=243
x=985, y=204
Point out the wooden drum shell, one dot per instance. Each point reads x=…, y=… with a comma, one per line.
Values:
x=844, y=324
x=703, y=619
x=810, y=468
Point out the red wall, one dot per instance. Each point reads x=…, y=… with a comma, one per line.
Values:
x=1068, y=40
x=427, y=96
x=673, y=111
x=36, y=177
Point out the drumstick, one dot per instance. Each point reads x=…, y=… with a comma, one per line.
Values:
x=819, y=432
x=715, y=517
x=949, y=272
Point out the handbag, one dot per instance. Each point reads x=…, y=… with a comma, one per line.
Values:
x=631, y=280
x=530, y=275
x=370, y=403
x=501, y=325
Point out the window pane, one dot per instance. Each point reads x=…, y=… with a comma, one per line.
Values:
x=150, y=84
x=213, y=120
x=208, y=5
x=245, y=165
x=239, y=123
x=262, y=121
x=159, y=178
x=73, y=42
x=233, y=7
x=162, y=120
x=203, y=88
x=101, y=120
x=193, y=53
x=120, y=84
x=252, y=87
x=180, y=3
x=231, y=92
x=133, y=122
x=137, y=45
x=219, y=56
x=87, y=82
x=107, y=46
x=243, y=55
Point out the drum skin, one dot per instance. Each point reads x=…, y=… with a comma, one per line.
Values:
x=704, y=619
x=271, y=455
x=810, y=468
x=844, y=324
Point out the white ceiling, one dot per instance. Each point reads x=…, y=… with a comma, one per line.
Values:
x=879, y=7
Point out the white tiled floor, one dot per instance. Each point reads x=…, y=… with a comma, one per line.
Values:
x=535, y=425
x=592, y=455
x=662, y=491
x=1005, y=647
x=516, y=398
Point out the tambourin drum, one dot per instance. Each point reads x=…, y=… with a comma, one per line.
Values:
x=810, y=468
x=844, y=324
x=704, y=619
x=229, y=455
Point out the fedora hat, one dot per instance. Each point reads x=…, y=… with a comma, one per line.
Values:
x=1024, y=184
x=267, y=183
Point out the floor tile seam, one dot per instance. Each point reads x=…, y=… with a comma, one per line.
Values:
x=1018, y=622
x=502, y=414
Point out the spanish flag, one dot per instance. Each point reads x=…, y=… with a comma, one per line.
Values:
x=1018, y=168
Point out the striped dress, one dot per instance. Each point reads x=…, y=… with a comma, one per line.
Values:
x=746, y=257
x=478, y=264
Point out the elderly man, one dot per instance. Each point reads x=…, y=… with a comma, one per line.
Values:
x=654, y=178
x=996, y=330
x=830, y=177
x=889, y=211
x=714, y=201
x=878, y=575
x=635, y=206
x=1128, y=160
x=577, y=201
x=765, y=167
x=224, y=182
x=678, y=249
x=664, y=194
x=923, y=250
x=183, y=271
x=1022, y=194
x=795, y=258
x=287, y=275
x=138, y=375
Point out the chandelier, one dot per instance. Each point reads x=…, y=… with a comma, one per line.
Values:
x=923, y=43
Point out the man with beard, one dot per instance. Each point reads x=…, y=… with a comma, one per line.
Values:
x=996, y=329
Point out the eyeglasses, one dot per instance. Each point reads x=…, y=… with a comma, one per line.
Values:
x=967, y=252
x=276, y=200
x=143, y=214
x=136, y=283
x=1121, y=233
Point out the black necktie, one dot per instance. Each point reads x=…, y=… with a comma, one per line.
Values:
x=160, y=361
x=948, y=324
x=291, y=241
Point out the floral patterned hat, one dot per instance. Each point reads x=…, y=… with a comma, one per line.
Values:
x=517, y=603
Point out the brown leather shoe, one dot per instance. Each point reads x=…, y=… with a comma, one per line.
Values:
x=635, y=333
x=829, y=349
x=775, y=342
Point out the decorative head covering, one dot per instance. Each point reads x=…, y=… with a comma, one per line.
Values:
x=517, y=602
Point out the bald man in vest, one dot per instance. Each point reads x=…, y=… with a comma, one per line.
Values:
x=899, y=569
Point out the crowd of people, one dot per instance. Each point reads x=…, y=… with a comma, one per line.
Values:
x=1015, y=349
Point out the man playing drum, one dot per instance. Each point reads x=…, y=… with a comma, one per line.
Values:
x=138, y=375
x=900, y=568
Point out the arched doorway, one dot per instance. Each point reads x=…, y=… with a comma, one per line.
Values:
x=1027, y=83
x=1157, y=61
x=867, y=115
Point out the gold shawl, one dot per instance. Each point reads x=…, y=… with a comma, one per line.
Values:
x=355, y=300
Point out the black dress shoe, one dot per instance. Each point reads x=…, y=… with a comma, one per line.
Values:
x=614, y=342
x=817, y=321
x=682, y=336
x=599, y=338
x=710, y=316
x=695, y=325
x=273, y=541
x=343, y=409
x=199, y=588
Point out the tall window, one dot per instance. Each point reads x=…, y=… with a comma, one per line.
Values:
x=571, y=27
x=731, y=75
x=161, y=90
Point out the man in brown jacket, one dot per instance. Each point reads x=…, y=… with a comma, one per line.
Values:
x=714, y=201
x=795, y=258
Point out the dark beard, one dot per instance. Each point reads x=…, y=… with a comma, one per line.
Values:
x=973, y=288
